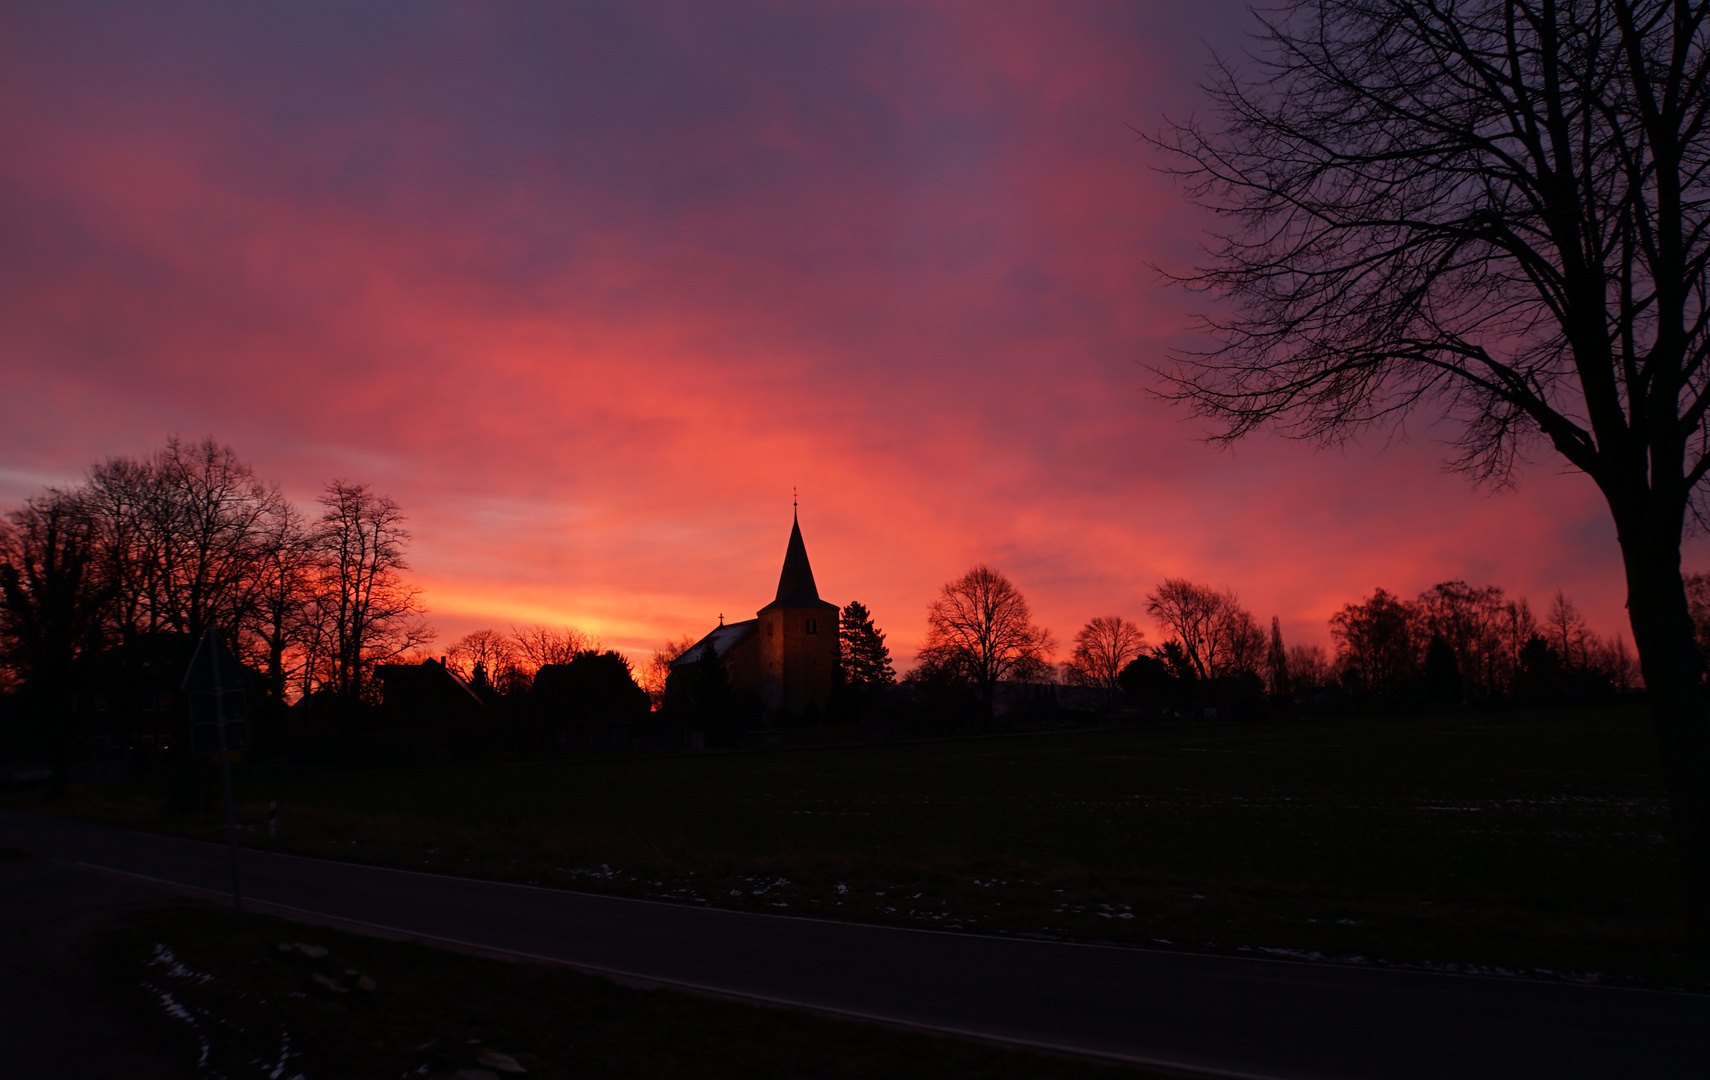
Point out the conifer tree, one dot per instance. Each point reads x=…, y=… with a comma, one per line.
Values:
x=1276, y=660
x=865, y=658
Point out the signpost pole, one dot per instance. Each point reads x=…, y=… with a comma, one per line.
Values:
x=225, y=769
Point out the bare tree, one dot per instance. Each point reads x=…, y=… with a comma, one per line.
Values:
x=279, y=619
x=1218, y=635
x=1615, y=661
x=219, y=521
x=1470, y=620
x=1103, y=648
x=1698, y=606
x=364, y=613
x=653, y=676
x=1193, y=613
x=1309, y=667
x=487, y=658
x=540, y=645
x=1381, y=641
x=980, y=626
x=1497, y=208
x=1244, y=643
x=190, y=537
x=1516, y=627
x=51, y=594
x=1568, y=632
x=186, y=537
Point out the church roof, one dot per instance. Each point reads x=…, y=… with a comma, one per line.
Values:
x=724, y=638
x=795, y=585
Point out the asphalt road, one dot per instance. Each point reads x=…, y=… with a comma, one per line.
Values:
x=58, y=1019
x=1223, y=1016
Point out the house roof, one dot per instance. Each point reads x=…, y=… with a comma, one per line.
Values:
x=795, y=585
x=431, y=676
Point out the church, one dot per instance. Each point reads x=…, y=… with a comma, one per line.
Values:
x=786, y=656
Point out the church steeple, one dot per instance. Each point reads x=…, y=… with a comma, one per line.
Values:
x=795, y=584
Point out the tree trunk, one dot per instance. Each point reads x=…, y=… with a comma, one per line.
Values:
x=988, y=704
x=1674, y=683
x=276, y=665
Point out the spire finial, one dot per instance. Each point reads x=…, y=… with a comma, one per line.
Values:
x=795, y=502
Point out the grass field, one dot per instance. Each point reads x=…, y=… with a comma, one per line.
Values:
x=244, y=1007
x=1531, y=842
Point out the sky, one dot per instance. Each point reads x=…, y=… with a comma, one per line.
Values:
x=591, y=288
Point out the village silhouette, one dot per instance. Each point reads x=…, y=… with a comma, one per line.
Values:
x=107, y=588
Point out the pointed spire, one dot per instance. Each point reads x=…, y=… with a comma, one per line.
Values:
x=795, y=584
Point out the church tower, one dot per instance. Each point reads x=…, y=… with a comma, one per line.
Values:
x=797, y=635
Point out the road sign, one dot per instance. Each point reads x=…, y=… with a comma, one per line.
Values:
x=218, y=681
x=214, y=668
x=205, y=735
x=217, y=686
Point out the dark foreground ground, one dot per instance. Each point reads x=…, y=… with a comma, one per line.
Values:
x=251, y=1007
x=104, y=978
x=1526, y=842
x=62, y=1013
x=1222, y=1015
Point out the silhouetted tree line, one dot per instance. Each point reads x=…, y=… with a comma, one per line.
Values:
x=1458, y=644
x=106, y=585
x=542, y=681
x=556, y=687
x=982, y=645
x=501, y=664
x=1453, y=645
x=124, y=572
